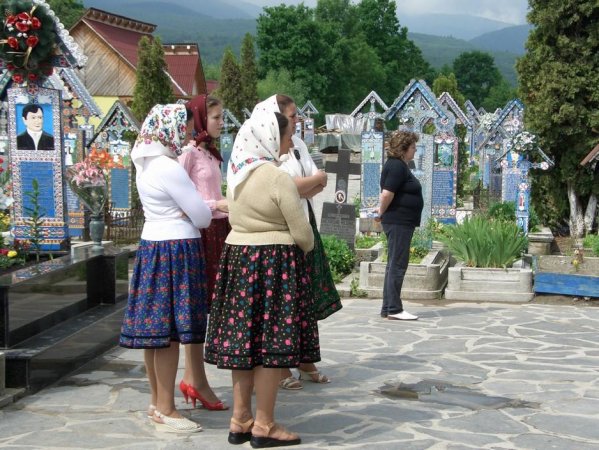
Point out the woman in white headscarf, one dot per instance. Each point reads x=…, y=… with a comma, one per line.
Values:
x=309, y=181
x=260, y=321
x=167, y=297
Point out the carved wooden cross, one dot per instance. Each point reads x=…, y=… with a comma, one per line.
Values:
x=343, y=168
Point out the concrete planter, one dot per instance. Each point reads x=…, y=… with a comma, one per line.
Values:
x=539, y=243
x=424, y=281
x=557, y=275
x=483, y=284
x=369, y=254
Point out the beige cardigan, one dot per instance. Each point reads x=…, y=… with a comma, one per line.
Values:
x=268, y=211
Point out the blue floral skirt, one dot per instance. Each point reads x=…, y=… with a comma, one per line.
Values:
x=168, y=295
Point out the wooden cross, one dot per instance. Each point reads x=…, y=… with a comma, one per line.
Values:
x=343, y=168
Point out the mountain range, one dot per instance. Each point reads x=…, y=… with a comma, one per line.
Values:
x=217, y=24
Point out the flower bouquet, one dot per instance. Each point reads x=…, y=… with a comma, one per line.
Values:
x=524, y=142
x=88, y=182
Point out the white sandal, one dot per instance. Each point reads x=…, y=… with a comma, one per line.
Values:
x=291, y=384
x=314, y=376
x=171, y=425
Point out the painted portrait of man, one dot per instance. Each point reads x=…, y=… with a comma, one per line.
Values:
x=34, y=137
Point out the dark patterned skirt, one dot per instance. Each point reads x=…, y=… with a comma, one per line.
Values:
x=326, y=297
x=262, y=312
x=167, y=297
x=213, y=241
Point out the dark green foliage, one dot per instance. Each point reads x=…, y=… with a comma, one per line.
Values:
x=249, y=73
x=340, y=257
x=476, y=74
x=364, y=241
x=559, y=85
x=483, y=242
x=505, y=211
x=152, y=85
x=34, y=218
x=230, y=84
x=68, y=11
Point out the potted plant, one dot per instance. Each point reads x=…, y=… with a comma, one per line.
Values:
x=486, y=250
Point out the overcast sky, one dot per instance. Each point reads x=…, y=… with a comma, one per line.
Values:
x=511, y=11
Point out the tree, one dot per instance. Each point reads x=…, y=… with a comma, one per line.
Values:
x=499, y=95
x=230, y=84
x=449, y=83
x=153, y=84
x=68, y=11
x=476, y=74
x=249, y=73
x=280, y=81
x=559, y=83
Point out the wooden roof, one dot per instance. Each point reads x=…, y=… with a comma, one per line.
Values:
x=593, y=154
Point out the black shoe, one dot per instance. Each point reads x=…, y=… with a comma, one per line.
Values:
x=384, y=315
x=268, y=442
x=239, y=437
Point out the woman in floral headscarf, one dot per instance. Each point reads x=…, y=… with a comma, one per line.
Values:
x=309, y=181
x=167, y=297
x=203, y=165
x=260, y=320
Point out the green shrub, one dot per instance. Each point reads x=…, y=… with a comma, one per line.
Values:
x=502, y=211
x=341, y=258
x=592, y=242
x=533, y=220
x=483, y=242
x=364, y=241
x=422, y=241
x=354, y=289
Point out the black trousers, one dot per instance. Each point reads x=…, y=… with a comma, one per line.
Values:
x=399, y=238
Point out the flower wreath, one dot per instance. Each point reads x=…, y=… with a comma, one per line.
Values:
x=27, y=40
x=524, y=142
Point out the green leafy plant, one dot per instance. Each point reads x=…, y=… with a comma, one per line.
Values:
x=365, y=241
x=341, y=258
x=483, y=242
x=357, y=203
x=592, y=242
x=502, y=211
x=354, y=289
x=35, y=214
x=421, y=244
x=533, y=220
x=12, y=255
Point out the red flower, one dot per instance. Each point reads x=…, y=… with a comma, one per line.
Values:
x=1, y=160
x=3, y=251
x=23, y=16
x=10, y=20
x=32, y=76
x=22, y=26
x=17, y=78
x=13, y=42
x=1, y=170
x=36, y=24
x=11, y=66
x=32, y=41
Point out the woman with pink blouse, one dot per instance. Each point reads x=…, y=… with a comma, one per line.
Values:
x=202, y=164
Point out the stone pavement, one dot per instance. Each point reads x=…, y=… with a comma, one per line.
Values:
x=465, y=376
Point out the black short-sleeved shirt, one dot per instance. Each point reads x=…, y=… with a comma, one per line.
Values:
x=406, y=206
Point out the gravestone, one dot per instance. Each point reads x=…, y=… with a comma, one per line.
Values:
x=307, y=111
x=435, y=163
x=516, y=164
x=372, y=145
x=227, y=139
x=110, y=136
x=43, y=165
x=339, y=217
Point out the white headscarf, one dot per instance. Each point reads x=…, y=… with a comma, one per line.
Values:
x=162, y=133
x=268, y=105
x=257, y=142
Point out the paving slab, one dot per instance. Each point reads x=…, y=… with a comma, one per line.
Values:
x=464, y=376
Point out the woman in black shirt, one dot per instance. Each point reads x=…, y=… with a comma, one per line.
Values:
x=400, y=209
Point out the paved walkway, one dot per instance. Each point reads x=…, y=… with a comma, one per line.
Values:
x=465, y=376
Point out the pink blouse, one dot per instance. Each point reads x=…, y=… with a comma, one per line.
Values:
x=204, y=171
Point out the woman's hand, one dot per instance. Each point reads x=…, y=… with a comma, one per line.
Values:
x=322, y=177
x=222, y=205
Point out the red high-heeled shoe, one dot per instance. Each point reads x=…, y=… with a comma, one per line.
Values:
x=189, y=391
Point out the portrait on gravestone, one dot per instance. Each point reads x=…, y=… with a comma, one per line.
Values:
x=35, y=128
x=119, y=151
x=443, y=155
x=70, y=149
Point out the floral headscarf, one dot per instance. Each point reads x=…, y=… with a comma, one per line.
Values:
x=197, y=105
x=162, y=133
x=257, y=142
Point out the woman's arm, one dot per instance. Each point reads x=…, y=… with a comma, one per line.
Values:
x=307, y=184
x=385, y=200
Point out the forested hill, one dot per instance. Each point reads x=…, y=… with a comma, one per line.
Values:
x=215, y=28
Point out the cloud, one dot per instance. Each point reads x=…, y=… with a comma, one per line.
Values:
x=511, y=11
